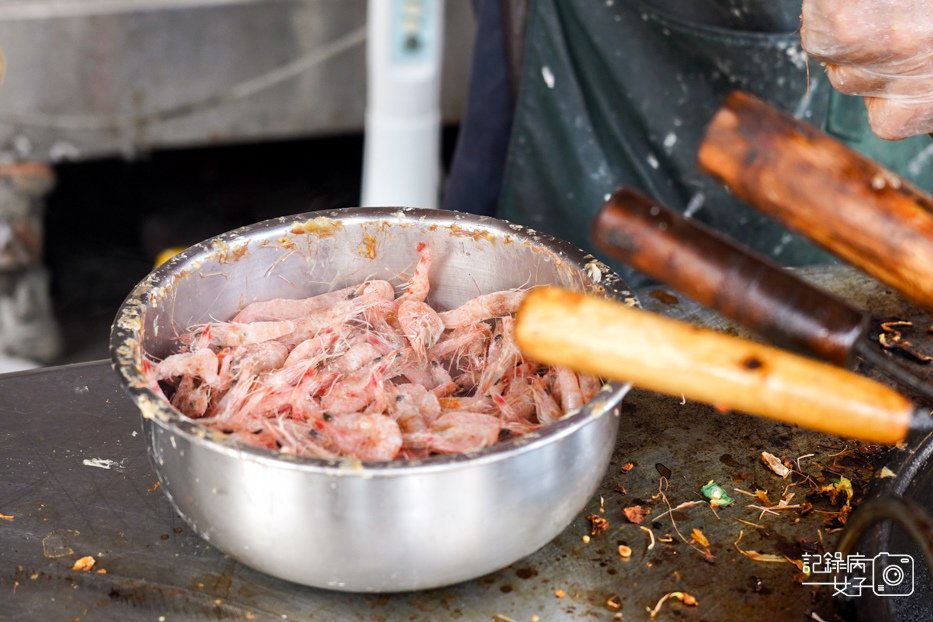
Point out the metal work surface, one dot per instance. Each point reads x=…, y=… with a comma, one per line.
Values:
x=75, y=480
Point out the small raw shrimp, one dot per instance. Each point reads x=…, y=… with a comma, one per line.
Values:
x=468, y=379
x=257, y=358
x=462, y=342
x=298, y=438
x=313, y=349
x=457, y=432
x=190, y=399
x=377, y=288
x=419, y=286
x=473, y=404
x=420, y=324
x=483, y=307
x=571, y=398
x=414, y=408
x=225, y=377
x=547, y=410
x=385, y=338
x=520, y=399
x=352, y=393
x=290, y=309
x=502, y=358
x=517, y=407
x=443, y=383
x=349, y=394
x=589, y=386
x=366, y=437
x=237, y=334
x=200, y=363
x=357, y=356
x=261, y=439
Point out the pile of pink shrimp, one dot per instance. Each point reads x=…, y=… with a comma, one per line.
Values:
x=363, y=373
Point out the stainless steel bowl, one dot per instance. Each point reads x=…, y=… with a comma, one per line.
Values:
x=344, y=525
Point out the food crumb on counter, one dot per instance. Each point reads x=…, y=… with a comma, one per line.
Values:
x=636, y=514
x=84, y=564
x=559, y=593
x=625, y=552
x=884, y=473
x=716, y=494
x=586, y=539
x=598, y=524
x=683, y=597
x=774, y=464
x=6, y=516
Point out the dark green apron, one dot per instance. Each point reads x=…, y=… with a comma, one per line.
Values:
x=619, y=92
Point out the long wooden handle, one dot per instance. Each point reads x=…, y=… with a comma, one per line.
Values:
x=608, y=339
x=816, y=185
x=718, y=273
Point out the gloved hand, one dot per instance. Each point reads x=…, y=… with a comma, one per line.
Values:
x=882, y=50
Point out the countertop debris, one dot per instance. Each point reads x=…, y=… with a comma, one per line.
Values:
x=85, y=563
x=716, y=494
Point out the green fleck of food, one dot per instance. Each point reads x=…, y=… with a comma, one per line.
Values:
x=716, y=494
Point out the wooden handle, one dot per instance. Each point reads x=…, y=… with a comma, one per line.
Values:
x=719, y=274
x=608, y=339
x=817, y=186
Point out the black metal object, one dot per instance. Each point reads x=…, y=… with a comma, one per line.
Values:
x=912, y=479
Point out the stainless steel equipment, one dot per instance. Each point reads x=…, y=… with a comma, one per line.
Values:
x=93, y=78
x=346, y=525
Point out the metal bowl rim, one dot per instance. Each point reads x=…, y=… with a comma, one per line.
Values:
x=173, y=421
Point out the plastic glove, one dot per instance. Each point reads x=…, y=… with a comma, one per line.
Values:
x=882, y=50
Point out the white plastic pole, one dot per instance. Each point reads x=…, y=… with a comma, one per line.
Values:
x=401, y=157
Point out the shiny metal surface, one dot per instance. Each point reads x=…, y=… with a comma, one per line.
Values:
x=93, y=78
x=345, y=525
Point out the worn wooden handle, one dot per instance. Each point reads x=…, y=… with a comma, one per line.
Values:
x=720, y=274
x=608, y=339
x=819, y=187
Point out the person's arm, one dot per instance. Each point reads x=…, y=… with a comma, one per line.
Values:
x=881, y=50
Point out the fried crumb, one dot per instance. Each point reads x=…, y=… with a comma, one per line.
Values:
x=628, y=466
x=586, y=539
x=699, y=538
x=6, y=516
x=598, y=524
x=84, y=564
x=625, y=552
x=559, y=593
x=155, y=487
x=635, y=514
x=614, y=602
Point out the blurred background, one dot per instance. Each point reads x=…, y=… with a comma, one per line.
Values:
x=128, y=127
